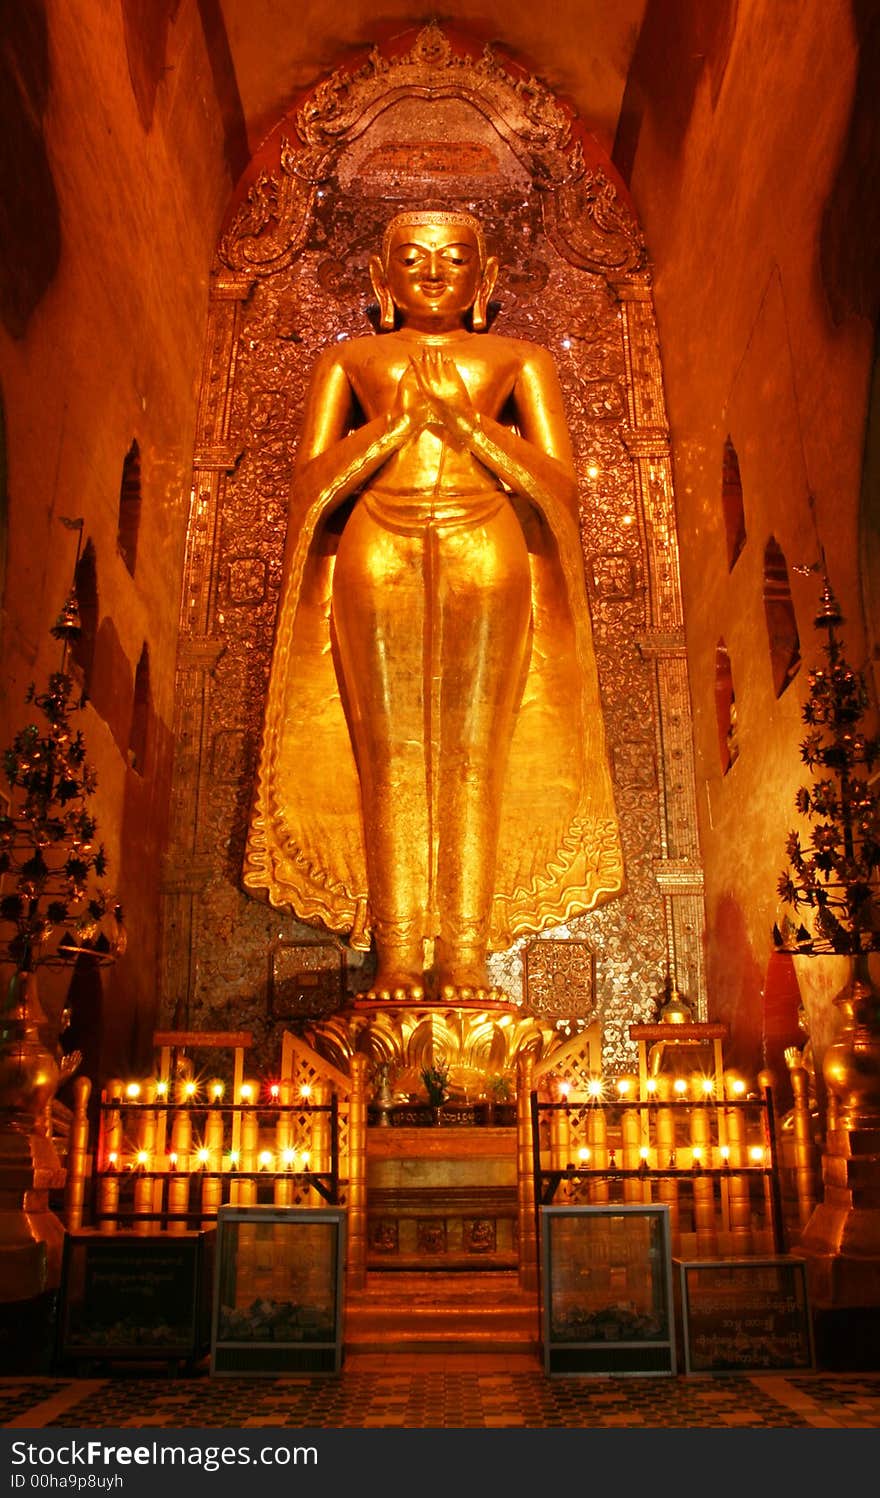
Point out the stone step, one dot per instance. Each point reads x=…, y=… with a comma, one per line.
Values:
x=430, y=1312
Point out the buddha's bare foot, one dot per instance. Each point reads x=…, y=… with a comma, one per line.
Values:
x=462, y=969
x=399, y=978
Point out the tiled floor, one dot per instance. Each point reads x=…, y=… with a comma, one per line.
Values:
x=441, y=1392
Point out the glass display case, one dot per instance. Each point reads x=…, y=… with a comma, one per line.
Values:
x=128, y=1296
x=607, y=1290
x=278, y=1290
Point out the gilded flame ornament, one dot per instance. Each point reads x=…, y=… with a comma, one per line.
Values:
x=433, y=771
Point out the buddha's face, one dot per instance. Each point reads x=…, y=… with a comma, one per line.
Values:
x=433, y=273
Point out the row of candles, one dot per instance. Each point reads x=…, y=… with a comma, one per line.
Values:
x=692, y=1158
x=657, y=1135
x=147, y=1131
x=186, y=1091
x=696, y=1088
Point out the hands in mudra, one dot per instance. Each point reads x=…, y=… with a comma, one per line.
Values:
x=433, y=395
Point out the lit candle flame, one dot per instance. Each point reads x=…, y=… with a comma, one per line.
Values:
x=306, y=1090
x=133, y=1090
x=265, y=1159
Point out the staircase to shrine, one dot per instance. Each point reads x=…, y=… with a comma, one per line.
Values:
x=442, y=1245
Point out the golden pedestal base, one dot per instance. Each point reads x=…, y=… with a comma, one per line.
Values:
x=473, y=1042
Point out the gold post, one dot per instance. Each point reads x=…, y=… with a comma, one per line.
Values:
x=631, y=1137
x=357, y=1174
x=560, y=1136
x=320, y=1128
x=528, y=1241
x=283, y=1193
x=144, y=1184
x=597, y=1134
x=804, y=1174
x=667, y=1189
x=181, y=1147
x=740, y=1204
x=111, y=1145
x=212, y=1186
x=77, y=1156
x=703, y=1185
x=250, y=1145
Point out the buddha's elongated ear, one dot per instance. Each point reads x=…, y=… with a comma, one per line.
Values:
x=484, y=292
x=383, y=295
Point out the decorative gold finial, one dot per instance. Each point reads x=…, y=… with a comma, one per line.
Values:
x=68, y=626
x=829, y=613
x=675, y=1011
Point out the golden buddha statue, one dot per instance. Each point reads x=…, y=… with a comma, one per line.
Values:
x=433, y=770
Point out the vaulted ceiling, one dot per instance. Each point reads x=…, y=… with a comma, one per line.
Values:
x=581, y=48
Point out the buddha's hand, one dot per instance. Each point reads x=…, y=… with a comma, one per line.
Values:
x=410, y=404
x=446, y=394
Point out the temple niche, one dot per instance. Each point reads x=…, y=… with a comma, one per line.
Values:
x=430, y=121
